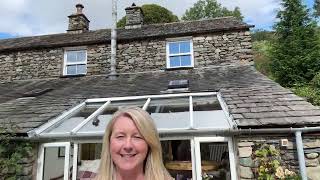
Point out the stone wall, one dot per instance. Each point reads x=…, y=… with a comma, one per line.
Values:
x=289, y=159
x=31, y=64
x=135, y=56
x=28, y=164
x=48, y=63
x=222, y=49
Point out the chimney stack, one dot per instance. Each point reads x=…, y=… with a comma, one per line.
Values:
x=78, y=22
x=134, y=15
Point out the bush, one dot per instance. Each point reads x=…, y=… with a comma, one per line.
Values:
x=261, y=56
x=315, y=82
x=311, y=94
x=11, y=153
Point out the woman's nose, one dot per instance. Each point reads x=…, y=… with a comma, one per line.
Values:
x=128, y=146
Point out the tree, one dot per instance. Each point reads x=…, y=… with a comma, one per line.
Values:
x=153, y=13
x=317, y=8
x=295, y=52
x=204, y=9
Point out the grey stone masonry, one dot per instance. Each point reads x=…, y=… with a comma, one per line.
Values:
x=78, y=22
x=288, y=155
x=213, y=49
x=134, y=17
x=48, y=63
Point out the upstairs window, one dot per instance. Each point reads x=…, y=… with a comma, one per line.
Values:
x=179, y=53
x=75, y=62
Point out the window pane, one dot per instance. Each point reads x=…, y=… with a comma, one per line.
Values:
x=175, y=61
x=207, y=113
x=106, y=115
x=90, y=151
x=186, y=60
x=215, y=160
x=81, y=56
x=71, y=57
x=67, y=125
x=185, y=47
x=71, y=69
x=173, y=48
x=88, y=160
x=53, y=163
x=170, y=113
x=81, y=69
x=177, y=158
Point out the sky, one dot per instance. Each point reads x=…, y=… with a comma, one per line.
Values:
x=19, y=18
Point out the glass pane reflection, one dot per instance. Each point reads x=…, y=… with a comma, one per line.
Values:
x=170, y=113
x=53, y=167
x=215, y=161
x=185, y=47
x=177, y=158
x=207, y=113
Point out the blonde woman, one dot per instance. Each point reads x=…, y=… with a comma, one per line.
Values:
x=131, y=148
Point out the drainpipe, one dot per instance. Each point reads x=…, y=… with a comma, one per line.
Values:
x=113, y=73
x=302, y=163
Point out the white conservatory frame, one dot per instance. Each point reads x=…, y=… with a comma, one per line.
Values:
x=189, y=133
x=40, y=160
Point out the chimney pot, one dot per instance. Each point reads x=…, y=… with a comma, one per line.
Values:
x=79, y=8
x=78, y=22
x=134, y=17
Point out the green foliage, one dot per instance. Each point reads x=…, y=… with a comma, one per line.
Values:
x=262, y=35
x=316, y=8
x=153, y=14
x=310, y=91
x=269, y=166
x=295, y=52
x=11, y=153
x=204, y=9
x=315, y=82
x=261, y=53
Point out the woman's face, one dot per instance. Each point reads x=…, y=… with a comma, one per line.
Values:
x=127, y=146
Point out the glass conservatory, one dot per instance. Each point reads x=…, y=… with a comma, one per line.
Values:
x=188, y=125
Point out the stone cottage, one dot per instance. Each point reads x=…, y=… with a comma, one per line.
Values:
x=216, y=115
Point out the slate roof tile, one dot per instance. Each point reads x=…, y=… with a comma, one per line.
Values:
x=259, y=108
x=103, y=36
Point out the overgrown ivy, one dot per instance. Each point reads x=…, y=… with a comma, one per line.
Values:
x=11, y=154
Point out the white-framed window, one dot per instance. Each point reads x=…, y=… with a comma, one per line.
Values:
x=179, y=53
x=75, y=62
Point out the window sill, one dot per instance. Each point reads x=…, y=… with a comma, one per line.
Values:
x=72, y=76
x=179, y=68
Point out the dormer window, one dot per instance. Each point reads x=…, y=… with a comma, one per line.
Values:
x=75, y=62
x=179, y=53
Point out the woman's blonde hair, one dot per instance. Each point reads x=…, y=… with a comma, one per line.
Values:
x=154, y=168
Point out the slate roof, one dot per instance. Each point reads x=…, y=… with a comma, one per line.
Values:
x=147, y=31
x=253, y=100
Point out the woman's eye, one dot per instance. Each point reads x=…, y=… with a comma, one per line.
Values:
x=138, y=137
x=118, y=137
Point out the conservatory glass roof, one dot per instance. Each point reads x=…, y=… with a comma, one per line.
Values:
x=171, y=113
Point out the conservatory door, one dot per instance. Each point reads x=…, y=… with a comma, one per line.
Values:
x=53, y=161
x=215, y=158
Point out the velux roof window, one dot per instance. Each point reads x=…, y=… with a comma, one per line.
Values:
x=172, y=113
